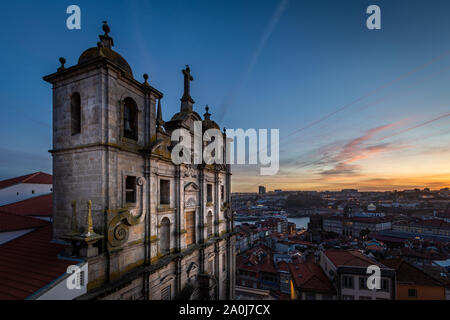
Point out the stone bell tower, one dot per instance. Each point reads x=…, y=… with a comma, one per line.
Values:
x=102, y=118
x=148, y=228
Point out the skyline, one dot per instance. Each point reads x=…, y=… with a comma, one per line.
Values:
x=356, y=108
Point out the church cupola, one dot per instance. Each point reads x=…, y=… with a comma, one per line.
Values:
x=104, y=50
x=207, y=122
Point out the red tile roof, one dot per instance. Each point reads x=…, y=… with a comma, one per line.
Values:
x=310, y=277
x=409, y=274
x=29, y=263
x=283, y=266
x=34, y=178
x=37, y=206
x=350, y=258
x=257, y=260
x=12, y=222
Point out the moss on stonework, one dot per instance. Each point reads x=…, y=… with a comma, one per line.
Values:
x=141, y=241
x=154, y=239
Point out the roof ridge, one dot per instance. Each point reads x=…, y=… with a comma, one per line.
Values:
x=429, y=276
x=30, y=177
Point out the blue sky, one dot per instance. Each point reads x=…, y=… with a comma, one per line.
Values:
x=258, y=64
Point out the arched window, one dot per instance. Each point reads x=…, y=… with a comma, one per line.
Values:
x=210, y=223
x=165, y=235
x=130, y=119
x=75, y=113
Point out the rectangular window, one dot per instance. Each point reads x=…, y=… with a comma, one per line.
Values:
x=130, y=190
x=412, y=293
x=164, y=192
x=190, y=227
x=385, y=285
x=166, y=294
x=81, y=278
x=347, y=282
x=222, y=193
x=209, y=193
x=363, y=283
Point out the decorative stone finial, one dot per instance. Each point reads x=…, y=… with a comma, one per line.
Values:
x=62, y=60
x=146, y=79
x=159, y=119
x=207, y=115
x=83, y=244
x=90, y=226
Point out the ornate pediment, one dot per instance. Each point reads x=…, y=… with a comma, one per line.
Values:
x=191, y=187
x=167, y=279
x=192, y=270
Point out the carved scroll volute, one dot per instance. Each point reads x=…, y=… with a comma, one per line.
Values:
x=118, y=227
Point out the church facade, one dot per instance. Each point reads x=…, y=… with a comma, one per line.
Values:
x=147, y=228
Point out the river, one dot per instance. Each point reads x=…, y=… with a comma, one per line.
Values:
x=299, y=222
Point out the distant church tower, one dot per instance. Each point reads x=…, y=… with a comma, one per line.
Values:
x=121, y=202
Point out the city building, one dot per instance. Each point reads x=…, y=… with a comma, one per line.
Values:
x=423, y=227
x=353, y=225
x=309, y=282
x=262, y=190
x=148, y=229
x=25, y=187
x=415, y=284
x=348, y=272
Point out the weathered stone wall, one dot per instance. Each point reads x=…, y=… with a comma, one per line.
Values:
x=93, y=165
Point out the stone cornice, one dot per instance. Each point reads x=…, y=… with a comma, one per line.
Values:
x=60, y=75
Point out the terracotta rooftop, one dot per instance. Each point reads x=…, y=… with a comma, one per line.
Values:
x=29, y=263
x=409, y=274
x=34, y=178
x=283, y=266
x=37, y=206
x=11, y=222
x=310, y=277
x=258, y=259
x=350, y=258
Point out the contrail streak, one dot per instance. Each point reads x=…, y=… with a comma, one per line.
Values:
x=255, y=57
x=443, y=116
x=370, y=93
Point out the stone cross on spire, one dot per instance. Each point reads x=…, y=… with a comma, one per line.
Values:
x=187, y=86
